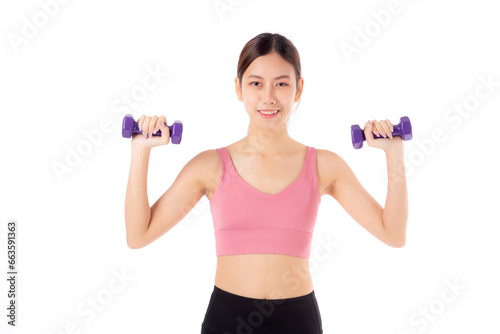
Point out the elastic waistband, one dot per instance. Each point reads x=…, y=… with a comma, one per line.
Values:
x=249, y=299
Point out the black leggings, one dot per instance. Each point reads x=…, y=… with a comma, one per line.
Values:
x=228, y=313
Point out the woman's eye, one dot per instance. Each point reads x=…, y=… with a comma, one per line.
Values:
x=252, y=83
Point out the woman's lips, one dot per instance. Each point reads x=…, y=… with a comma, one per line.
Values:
x=269, y=115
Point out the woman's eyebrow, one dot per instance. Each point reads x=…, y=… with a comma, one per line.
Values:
x=259, y=77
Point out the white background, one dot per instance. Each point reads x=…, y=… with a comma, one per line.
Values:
x=64, y=79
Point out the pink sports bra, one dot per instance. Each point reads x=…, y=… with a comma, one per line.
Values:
x=248, y=221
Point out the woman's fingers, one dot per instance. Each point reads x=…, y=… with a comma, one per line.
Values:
x=165, y=130
x=368, y=132
x=377, y=128
x=145, y=126
x=152, y=125
x=159, y=123
x=162, y=125
x=390, y=125
x=140, y=121
x=386, y=128
x=383, y=128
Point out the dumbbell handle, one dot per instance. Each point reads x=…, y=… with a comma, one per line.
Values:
x=397, y=132
x=135, y=129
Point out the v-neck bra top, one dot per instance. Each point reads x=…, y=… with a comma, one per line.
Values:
x=248, y=221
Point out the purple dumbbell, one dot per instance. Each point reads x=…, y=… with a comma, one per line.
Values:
x=403, y=130
x=129, y=127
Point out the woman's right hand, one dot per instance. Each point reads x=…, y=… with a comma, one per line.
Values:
x=150, y=125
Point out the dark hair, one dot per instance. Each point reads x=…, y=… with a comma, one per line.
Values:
x=264, y=44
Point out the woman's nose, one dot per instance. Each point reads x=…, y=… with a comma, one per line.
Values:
x=268, y=95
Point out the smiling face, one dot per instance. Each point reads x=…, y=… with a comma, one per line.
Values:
x=269, y=83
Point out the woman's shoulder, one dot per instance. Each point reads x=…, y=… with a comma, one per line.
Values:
x=208, y=158
x=211, y=168
x=327, y=159
x=328, y=166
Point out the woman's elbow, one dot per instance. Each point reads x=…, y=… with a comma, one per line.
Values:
x=134, y=242
x=397, y=243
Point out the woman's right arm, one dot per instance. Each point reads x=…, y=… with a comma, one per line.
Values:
x=137, y=210
x=144, y=224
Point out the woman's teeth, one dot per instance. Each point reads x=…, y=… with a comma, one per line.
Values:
x=268, y=112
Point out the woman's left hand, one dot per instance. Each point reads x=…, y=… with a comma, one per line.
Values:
x=384, y=128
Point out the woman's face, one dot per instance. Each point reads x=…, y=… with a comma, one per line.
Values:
x=269, y=83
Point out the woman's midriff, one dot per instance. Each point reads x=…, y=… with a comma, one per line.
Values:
x=264, y=276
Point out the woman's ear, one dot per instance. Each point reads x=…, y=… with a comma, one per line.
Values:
x=238, y=89
x=300, y=87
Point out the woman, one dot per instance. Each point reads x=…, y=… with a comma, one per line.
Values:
x=264, y=192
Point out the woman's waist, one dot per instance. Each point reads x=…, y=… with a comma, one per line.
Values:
x=264, y=276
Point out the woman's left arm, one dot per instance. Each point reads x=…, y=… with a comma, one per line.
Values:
x=387, y=224
x=395, y=215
